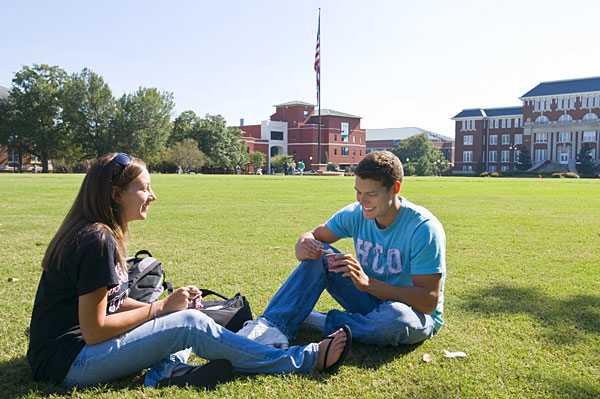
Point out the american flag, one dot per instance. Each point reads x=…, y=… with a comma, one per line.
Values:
x=318, y=57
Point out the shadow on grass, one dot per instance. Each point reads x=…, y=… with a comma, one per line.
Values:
x=16, y=382
x=562, y=319
x=362, y=355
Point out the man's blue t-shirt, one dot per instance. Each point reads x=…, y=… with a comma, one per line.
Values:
x=415, y=243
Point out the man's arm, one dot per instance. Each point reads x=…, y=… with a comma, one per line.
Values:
x=310, y=244
x=423, y=295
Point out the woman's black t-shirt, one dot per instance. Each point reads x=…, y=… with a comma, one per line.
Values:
x=55, y=338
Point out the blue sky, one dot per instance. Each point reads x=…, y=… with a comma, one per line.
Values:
x=394, y=63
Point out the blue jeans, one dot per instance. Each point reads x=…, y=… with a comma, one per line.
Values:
x=164, y=344
x=371, y=320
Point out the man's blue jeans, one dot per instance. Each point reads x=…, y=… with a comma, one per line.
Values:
x=371, y=320
x=164, y=344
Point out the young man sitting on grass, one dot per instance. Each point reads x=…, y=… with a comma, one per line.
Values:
x=392, y=292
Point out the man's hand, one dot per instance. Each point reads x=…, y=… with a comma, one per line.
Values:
x=308, y=247
x=346, y=264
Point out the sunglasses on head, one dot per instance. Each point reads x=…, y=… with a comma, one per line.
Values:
x=123, y=160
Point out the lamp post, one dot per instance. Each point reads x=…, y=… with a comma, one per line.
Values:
x=12, y=143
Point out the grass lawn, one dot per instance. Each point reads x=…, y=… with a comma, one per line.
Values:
x=522, y=287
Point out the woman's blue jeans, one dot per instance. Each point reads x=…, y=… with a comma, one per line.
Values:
x=371, y=320
x=165, y=343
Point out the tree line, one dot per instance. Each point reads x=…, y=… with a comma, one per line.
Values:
x=73, y=119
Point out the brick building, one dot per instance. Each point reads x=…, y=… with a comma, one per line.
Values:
x=555, y=121
x=293, y=130
x=388, y=139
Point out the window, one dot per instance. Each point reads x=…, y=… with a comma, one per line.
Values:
x=335, y=137
x=541, y=137
x=506, y=139
x=467, y=156
x=495, y=123
x=590, y=117
x=536, y=106
x=518, y=138
x=564, y=137
x=559, y=103
x=493, y=156
x=492, y=168
x=467, y=168
x=335, y=151
x=565, y=118
x=517, y=122
x=468, y=139
x=360, y=139
x=505, y=156
x=360, y=153
x=345, y=151
x=503, y=168
x=306, y=113
x=503, y=123
x=584, y=101
x=541, y=120
x=517, y=155
x=589, y=136
x=540, y=155
x=354, y=139
x=493, y=139
x=597, y=101
x=276, y=135
x=353, y=153
x=508, y=122
x=345, y=132
x=572, y=102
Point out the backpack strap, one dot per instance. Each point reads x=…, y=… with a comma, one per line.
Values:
x=204, y=292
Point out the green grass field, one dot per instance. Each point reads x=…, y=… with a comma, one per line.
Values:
x=522, y=288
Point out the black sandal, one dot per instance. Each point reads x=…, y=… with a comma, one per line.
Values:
x=336, y=365
x=207, y=376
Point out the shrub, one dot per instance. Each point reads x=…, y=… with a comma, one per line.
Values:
x=558, y=175
x=496, y=174
x=332, y=166
x=571, y=175
x=484, y=174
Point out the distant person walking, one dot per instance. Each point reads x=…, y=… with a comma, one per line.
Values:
x=285, y=168
x=301, y=167
x=293, y=168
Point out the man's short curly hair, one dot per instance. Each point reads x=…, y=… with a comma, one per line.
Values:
x=382, y=166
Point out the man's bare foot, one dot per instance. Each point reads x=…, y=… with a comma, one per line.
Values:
x=336, y=347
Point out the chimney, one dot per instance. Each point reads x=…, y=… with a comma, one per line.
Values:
x=241, y=121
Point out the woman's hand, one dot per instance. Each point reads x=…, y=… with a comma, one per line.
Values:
x=178, y=300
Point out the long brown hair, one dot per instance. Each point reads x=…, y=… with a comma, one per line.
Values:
x=94, y=211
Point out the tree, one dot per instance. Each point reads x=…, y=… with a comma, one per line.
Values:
x=426, y=158
x=257, y=159
x=524, y=162
x=34, y=113
x=584, y=161
x=142, y=123
x=187, y=155
x=88, y=108
x=278, y=160
x=186, y=125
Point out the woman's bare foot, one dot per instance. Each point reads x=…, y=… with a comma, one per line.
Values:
x=336, y=347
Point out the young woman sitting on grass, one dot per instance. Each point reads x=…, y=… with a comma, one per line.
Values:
x=86, y=331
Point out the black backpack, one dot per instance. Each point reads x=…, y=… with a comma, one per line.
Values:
x=146, y=277
x=147, y=283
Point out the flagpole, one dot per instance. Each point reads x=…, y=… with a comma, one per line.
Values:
x=318, y=69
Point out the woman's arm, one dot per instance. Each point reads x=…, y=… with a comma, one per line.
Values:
x=97, y=326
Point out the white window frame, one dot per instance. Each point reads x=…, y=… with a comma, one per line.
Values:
x=503, y=168
x=493, y=156
x=493, y=168
x=505, y=139
x=518, y=138
x=467, y=156
x=503, y=123
x=541, y=137
x=468, y=139
x=589, y=137
x=564, y=137
x=505, y=156
x=345, y=131
x=493, y=139
x=517, y=155
x=541, y=155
